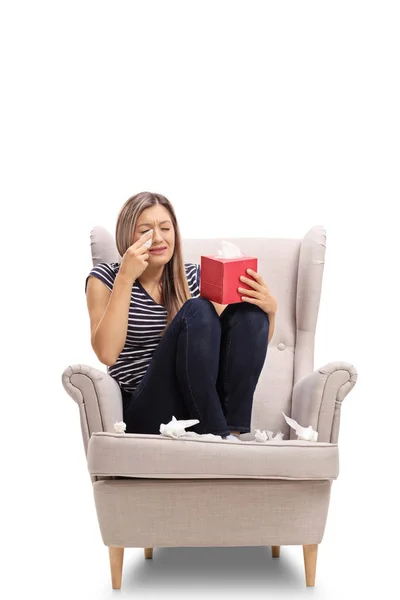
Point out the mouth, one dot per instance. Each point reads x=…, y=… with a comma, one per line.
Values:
x=158, y=250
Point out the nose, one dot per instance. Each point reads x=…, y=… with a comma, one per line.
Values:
x=157, y=238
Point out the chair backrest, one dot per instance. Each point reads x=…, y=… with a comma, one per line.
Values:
x=293, y=271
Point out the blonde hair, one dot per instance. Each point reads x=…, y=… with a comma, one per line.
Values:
x=174, y=286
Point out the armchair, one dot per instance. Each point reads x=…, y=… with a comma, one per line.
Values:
x=147, y=488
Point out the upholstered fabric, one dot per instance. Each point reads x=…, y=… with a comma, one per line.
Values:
x=102, y=246
x=211, y=512
x=147, y=455
x=98, y=396
x=318, y=397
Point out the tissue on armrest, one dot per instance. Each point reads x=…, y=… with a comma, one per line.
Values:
x=98, y=396
x=317, y=398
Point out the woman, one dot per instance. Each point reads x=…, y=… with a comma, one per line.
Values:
x=171, y=351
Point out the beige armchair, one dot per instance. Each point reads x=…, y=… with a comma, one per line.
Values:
x=151, y=490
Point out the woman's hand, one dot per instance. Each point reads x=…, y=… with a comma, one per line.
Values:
x=260, y=295
x=134, y=261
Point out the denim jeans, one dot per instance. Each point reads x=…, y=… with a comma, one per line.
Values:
x=205, y=367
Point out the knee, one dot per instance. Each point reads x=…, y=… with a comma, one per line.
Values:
x=202, y=308
x=253, y=318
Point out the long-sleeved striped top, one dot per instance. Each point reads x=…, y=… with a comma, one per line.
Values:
x=146, y=321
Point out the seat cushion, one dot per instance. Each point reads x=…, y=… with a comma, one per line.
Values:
x=158, y=456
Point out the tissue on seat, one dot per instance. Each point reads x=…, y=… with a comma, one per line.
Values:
x=148, y=455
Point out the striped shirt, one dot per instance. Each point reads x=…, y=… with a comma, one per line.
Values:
x=146, y=321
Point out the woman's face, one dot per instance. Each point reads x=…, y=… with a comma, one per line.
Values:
x=159, y=220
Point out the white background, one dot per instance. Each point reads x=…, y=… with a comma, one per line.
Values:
x=254, y=119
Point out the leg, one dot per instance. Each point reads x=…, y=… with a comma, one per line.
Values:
x=244, y=343
x=116, y=561
x=276, y=550
x=181, y=378
x=310, y=562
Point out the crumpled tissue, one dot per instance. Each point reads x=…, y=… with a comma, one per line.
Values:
x=266, y=436
x=303, y=433
x=228, y=250
x=176, y=429
x=120, y=426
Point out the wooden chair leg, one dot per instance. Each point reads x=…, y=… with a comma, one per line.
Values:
x=148, y=552
x=310, y=562
x=116, y=561
x=276, y=550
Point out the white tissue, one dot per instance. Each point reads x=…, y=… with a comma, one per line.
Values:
x=148, y=243
x=176, y=429
x=303, y=433
x=228, y=250
x=120, y=426
x=266, y=435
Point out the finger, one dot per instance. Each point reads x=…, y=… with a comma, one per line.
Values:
x=252, y=293
x=148, y=242
x=142, y=249
x=251, y=300
x=146, y=236
x=256, y=276
x=143, y=238
x=250, y=282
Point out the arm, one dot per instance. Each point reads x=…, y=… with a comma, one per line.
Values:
x=317, y=398
x=98, y=397
x=109, y=312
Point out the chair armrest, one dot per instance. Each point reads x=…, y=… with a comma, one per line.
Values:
x=317, y=399
x=98, y=396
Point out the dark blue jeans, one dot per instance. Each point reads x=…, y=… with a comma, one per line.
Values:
x=205, y=367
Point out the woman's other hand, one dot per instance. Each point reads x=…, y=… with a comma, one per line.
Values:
x=260, y=294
